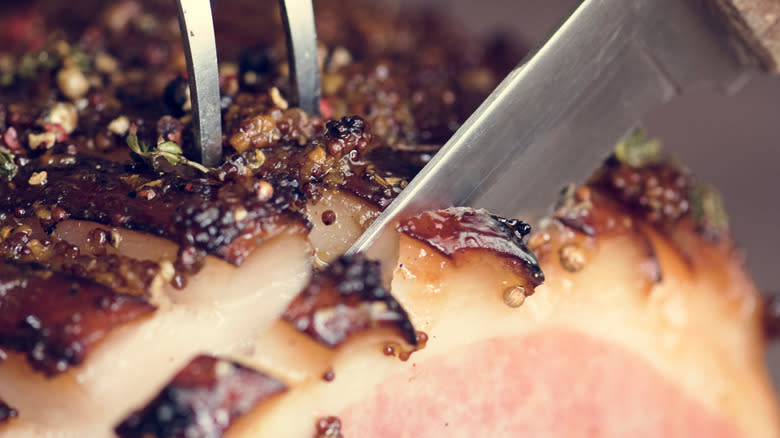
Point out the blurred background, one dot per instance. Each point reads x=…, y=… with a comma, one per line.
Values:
x=732, y=142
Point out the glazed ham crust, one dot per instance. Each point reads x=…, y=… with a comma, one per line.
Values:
x=54, y=319
x=201, y=400
x=142, y=295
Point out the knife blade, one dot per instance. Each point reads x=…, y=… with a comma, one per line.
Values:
x=559, y=113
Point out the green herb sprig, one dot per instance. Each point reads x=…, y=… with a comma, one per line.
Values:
x=168, y=150
x=7, y=165
x=636, y=150
x=707, y=209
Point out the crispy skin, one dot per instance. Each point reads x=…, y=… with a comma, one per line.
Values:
x=456, y=230
x=56, y=318
x=226, y=218
x=201, y=400
x=344, y=299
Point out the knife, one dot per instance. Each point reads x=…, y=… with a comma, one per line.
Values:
x=559, y=113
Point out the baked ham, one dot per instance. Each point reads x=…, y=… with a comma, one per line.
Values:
x=143, y=295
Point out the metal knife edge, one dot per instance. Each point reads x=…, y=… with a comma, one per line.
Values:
x=558, y=114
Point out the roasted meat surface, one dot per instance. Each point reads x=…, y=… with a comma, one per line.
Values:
x=142, y=294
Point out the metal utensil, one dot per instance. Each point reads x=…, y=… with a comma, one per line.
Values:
x=557, y=115
x=200, y=50
x=298, y=18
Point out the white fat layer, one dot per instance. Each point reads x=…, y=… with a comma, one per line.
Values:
x=135, y=244
x=130, y=366
x=352, y=215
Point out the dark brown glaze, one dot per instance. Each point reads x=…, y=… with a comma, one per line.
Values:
x=7, y=412
x=344, y=299
x=55, y=319
x=633, y=198
x=593, y=214
x=458, y=229
x=225, y=214
x=658, y=192
x=383, y=66
x=20, y=243
x=201, y=401
x=662, y=193
x=317, y=156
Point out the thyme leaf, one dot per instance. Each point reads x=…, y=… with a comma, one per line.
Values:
x=636, y=150
x=707, y=209
x=168, y=150
x=7, y=165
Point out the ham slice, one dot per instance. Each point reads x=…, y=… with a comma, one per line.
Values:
x=602, y=349
x=142, y=295
x=134, y=361
x=611, y=321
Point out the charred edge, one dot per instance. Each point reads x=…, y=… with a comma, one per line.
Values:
x=662, y=193
x=202, y=400
x=334, y=158
x=119, y=273
x=223, y=214
x=55, y=319
x=347, y=298
x=458, y=229
x=658, y=193
x=7, y=413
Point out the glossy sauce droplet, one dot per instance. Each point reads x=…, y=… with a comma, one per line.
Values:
x=328, y=217
x=329, y=375
x=404, y=352
x=514, y=296
x=572, y=257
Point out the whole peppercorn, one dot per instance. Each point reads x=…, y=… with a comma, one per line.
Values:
x=348, y=133
x=660, y=190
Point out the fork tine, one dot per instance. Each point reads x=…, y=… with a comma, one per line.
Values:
x=197, y=28
x=298, y=18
